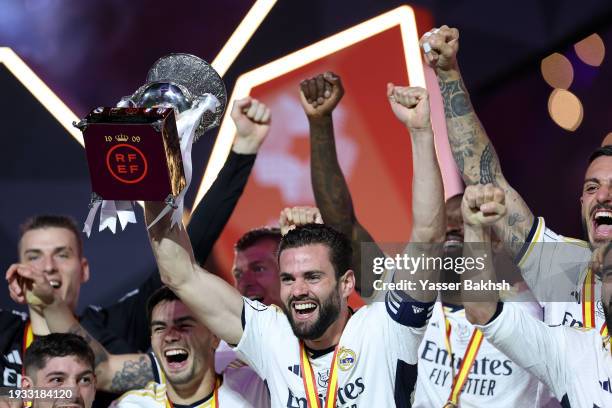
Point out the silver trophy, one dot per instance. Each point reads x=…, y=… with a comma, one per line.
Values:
x=195, y=92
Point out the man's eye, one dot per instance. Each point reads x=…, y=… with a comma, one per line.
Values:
x=86, y=380
x=259, y=269
x=157, y=329
x=313, y=278
x=590, y=188
x=56, y=380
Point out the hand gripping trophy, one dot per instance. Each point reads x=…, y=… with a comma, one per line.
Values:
x=141, y=149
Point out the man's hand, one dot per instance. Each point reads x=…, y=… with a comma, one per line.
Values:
x=292, y=217
x=252, y=120
x=410, y=105
x=27, y=285
x=482, y=205
x=320, y=95
x=440, y=46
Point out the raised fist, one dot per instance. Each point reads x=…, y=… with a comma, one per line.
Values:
x=482, y=205
x=440, y=46
x=410, y=105
x=292, y=217
x=320, y=95
x=252, y=120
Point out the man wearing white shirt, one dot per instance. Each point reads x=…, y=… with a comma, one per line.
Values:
x=575, y=363
x=318, y=350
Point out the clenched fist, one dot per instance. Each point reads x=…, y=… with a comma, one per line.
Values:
x=482, y=205
x=440, y=46
x=320, y=94
x=292, y=217
x=410, y=105
x=252, y=120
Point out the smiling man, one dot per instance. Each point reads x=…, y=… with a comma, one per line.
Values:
x=575, y=363
x=314, y=351
x=183, y=362
x=554, y=267
x=52, y=246
x=64, y=362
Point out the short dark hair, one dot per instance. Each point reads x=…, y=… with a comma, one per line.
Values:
x=253, y=236
x=53, y=345
x=52, y=221
x=163, y=294
x=340, y=250
x=600, y=151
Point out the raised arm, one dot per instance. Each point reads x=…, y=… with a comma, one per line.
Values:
x=482, y=206
x=471, y=147
x=534, y=346
x=211, y=215
x=319, y=96
x=114, y=373
x=216, y=303
x=411, y=107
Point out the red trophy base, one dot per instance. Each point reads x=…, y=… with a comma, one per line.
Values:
x=133, y=153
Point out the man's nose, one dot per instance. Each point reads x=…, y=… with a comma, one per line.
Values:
x=603, y=193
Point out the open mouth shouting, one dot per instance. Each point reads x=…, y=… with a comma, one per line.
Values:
x=55, y=284
x=176, y=358
x=601, y=222
x=304, y=309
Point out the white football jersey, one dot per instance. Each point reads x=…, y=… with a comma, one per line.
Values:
x=154, y=394
x=494, y=380
x=575, y=363
x=377, y=357
x=555, y=268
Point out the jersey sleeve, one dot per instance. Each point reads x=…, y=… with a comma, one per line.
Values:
x=261, y=325
x=534, y=346
x=213, y=212
x=551, y=264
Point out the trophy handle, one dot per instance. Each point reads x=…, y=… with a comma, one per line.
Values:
x=81, y=124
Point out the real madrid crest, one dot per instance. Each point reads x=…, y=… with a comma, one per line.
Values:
x=346, y=358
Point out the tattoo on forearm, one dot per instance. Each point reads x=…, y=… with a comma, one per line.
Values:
x=488, y=165
x=134, y=374
x=100, y=354
x=456, y=100
x=515, y=218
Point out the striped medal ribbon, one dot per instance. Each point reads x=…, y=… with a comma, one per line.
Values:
x=310, y=384
x=466, y=364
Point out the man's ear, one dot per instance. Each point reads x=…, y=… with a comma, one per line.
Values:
x=84, y=270
x=26, y=382
x=347, y=283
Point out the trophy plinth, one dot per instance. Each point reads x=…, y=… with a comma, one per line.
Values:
x=133, y=153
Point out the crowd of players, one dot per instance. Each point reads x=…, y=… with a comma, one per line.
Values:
x=284, y=335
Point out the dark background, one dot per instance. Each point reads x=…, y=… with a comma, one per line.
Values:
x=92, y=53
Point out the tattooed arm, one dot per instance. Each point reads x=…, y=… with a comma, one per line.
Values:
x=114, y=373
x=471, y=147
x=319, y=97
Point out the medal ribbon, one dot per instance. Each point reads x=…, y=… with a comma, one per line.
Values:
x=588, y=300
x=466, y=363
x=214, y=401
x=28, y=338
x=310, y=384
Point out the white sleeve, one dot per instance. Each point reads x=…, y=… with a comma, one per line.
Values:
x=260, y=322
x=551, y=264
x=534, y=346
